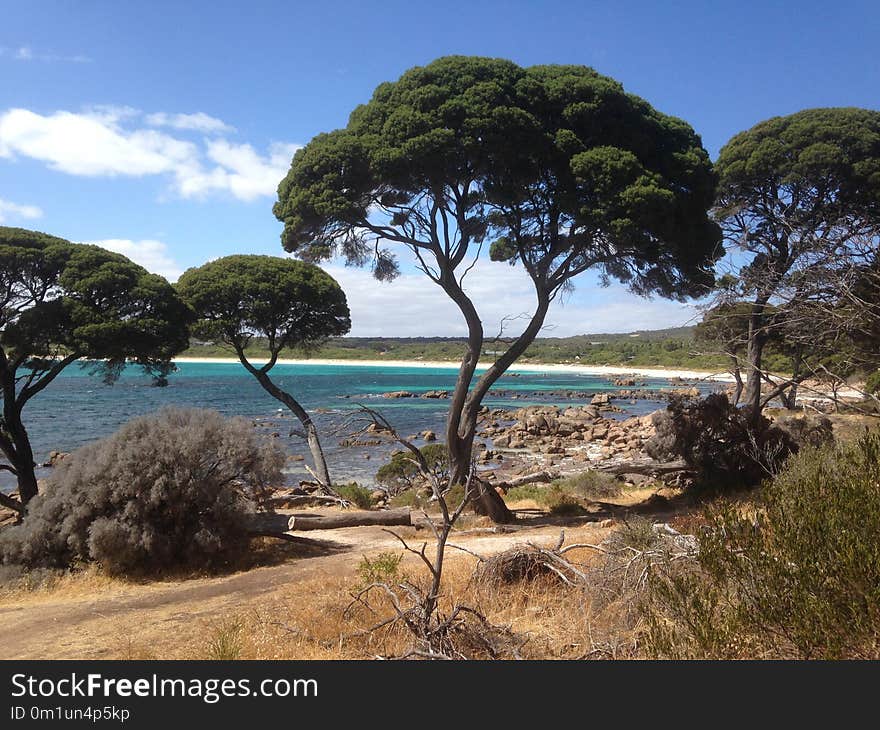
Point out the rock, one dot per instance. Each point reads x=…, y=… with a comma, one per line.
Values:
x=398, y=394
x=435, y=394
x=376, y=428
x=296, y=457
x=636, y=479
x=429, y=436
x=600, y=399
x=55, y=457
x=606, y=523
x=377, y=495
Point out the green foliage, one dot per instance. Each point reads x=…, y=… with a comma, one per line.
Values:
x=799, y=578
x=290, y=304
x=590, y=484
x=565, y=496
x=402, y=472
x=382, y=568
x=485, y=139
x=356, y=494
x=65, y=299
x=872, y=383
x=225, y=643
x=171, y=489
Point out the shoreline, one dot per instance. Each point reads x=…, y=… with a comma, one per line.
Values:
x=612, y=370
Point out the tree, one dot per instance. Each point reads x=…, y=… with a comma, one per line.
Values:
x=61, y=302
x=555, y=167
x=291, y=304
x=725, y=327
x=799, y=196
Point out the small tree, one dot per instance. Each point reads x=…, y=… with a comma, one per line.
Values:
x=800, y=196
x=61, y=302
x=557, y=167
x=289, y=303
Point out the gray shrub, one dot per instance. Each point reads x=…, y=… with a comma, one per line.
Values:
x=171, y=489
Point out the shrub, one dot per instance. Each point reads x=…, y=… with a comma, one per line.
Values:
x=591, y=484
x=720, y=441
x=807, y=430
x=872, y=383
x=383, y=568
x=356, y=494
x=171, y=489
x=402, y=473
x=799, y=578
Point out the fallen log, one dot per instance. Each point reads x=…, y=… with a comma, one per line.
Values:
x=272, y=522
x=541, y=476
x=649, y=469
x=385, y=518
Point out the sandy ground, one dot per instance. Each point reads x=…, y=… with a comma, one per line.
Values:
x=521, y=367
x=106, y=620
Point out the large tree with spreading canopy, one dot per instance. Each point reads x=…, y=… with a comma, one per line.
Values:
x=556, y=168
x=61, y=302
x=799, y=201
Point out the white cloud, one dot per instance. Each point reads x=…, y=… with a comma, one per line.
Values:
x=412, y=306
x=151, y=254
x=198, y=122
x=108, y=142
x=90, y=144
x=240, y=170
x=10, y=210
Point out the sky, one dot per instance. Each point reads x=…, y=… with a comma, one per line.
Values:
x=161, y=130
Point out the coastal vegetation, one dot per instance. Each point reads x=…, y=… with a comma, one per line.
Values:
x=721, y=526
x=554, y=168
x=288, y=304
x=62, y=302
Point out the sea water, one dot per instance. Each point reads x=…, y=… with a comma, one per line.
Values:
x=78, y=408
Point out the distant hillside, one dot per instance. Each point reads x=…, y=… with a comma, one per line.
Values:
x=672, y=347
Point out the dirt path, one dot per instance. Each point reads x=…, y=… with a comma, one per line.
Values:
x=122, y=620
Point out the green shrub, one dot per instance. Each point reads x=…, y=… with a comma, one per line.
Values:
x=402, y=473
x=409, y=498
x=800, y=578
x=383, y=568
x=225, y=642
x=171, y=489
x=356, y=494
x=872, y=383
x=590, y=484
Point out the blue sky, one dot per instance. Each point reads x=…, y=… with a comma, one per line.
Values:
x=162, y=128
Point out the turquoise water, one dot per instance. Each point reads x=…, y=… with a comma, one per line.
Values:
x=78, y=408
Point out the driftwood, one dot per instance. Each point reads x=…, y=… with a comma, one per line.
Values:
x=541, y=476
x=265, y=523
x=651, y=468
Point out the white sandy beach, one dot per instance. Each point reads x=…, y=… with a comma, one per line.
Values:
x=520, y=367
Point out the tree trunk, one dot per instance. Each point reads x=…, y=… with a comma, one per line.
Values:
x=321, y=471
x=754, y=354
x=737, y=376
x=17, y=447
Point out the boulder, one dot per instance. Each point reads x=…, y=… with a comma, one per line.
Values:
x=398, y=394
x=429, y=436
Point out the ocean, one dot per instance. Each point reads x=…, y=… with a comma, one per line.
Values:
x=78, y=408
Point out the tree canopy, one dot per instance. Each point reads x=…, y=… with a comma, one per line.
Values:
x=800, y=195
x=555, y=168
x=288, y=303
x=61, y=302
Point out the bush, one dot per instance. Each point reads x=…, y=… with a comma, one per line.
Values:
x=383, y=568
x=807, y=430
x=591, y=484
x=799, y=578
x=402, y=473
x=872, y=383
x=720, y=441
x=171, y=489
x=356, y=494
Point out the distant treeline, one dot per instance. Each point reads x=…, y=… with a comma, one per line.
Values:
x=673, y=347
